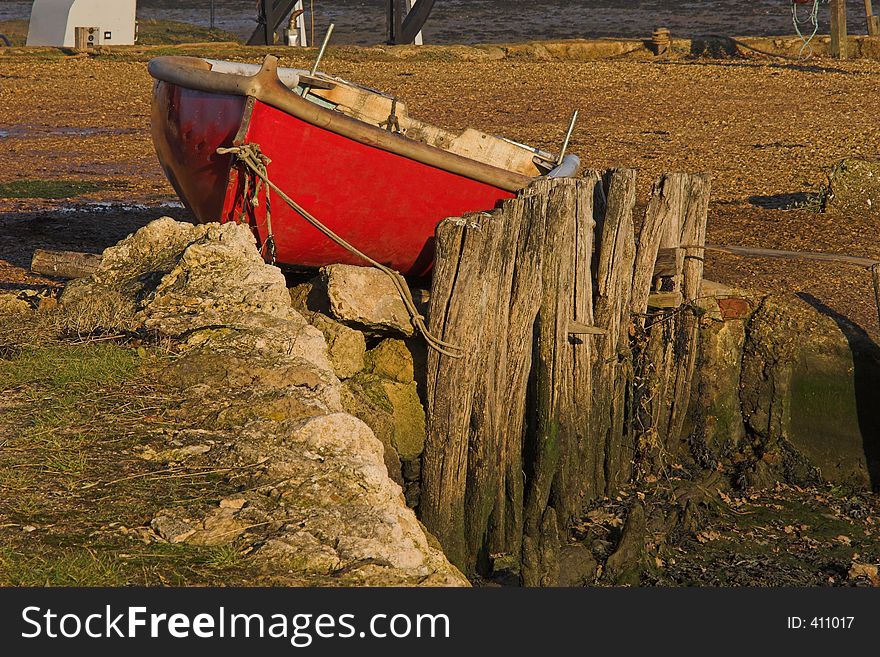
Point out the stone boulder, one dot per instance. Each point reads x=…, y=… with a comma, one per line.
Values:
x=13, y=304
x=320, y=508
x=393, y=360
x=395, y=413
x=366, y=298
x=715, y=422
x=346, y=347
x=197, y=283
x=808, y=392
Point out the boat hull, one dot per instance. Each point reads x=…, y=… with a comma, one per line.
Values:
x=383, y=203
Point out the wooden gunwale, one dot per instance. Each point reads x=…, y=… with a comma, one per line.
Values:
x=265, y=86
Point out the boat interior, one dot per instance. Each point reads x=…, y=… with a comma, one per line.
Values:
x=382, y=110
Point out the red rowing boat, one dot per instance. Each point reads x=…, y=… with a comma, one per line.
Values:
x=352, y=157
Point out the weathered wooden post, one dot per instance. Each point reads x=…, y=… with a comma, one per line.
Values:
x=838, y=29
x=547, y=297
x=872, y=20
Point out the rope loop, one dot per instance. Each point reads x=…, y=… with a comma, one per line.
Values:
x=813, y=18
x=253, y=159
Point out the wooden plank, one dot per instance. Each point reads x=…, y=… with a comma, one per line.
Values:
x=856, y=261
x=665, y=264
x=65, y=264
x=665, y=300
x=838, y=29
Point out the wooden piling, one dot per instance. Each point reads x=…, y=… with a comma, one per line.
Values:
x=872, y=20
x=838, y=29
x=547, y=297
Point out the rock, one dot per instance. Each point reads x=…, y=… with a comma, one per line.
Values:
x=864, y=571
x=716, y=418
x=393, y=410
x=853, y=187
x=320, y=507
x=310, y=297
x=346, y=347
x=12, y=304
x=301, y=551
x=391, y=359
x=255, y=386
x=808, y=387
x=366, y=298
x=175, y=454
x=221, y=527
x=201, y=283
x=173, y=526
x=577, y=566
x=333, y=485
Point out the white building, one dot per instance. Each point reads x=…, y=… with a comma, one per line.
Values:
x=106, y=22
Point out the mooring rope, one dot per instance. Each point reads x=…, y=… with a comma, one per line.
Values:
x=814, y=21
x=252, y=158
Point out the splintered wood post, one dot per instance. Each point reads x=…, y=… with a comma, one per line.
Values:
x=460, y=314
x=562, y=371
x=65, y=264
x=612, y=367
x=838, y=29
x=664, y=342
x=575, y=477
x=485, y=296
x=506, y=524
x=872, y=20
x=693, y=234
x=660, y=228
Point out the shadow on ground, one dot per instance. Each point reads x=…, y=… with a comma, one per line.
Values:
x=87, y=229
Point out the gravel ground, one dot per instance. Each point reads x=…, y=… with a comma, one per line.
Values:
x=769, y=130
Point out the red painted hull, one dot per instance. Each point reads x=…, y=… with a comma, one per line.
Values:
x=385, y=204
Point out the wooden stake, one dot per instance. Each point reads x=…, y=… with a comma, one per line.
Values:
x=838, y=29
x=872, y=20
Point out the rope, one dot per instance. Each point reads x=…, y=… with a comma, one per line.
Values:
x=814, y=21
x=252, y=158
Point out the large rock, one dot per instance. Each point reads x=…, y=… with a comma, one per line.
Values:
x=346, y=347
x=320, y=507
x=808, y=390
x=393, y=410
x=715, y=422
x=13, y=304
x=853, y=187
x=391, y=359
x=342, y=514
x=203, y=284
x=366, y=298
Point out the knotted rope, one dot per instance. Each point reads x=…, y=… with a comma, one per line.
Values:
x=251, y=157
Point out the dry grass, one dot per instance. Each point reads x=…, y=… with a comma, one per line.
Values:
x=76, y=496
